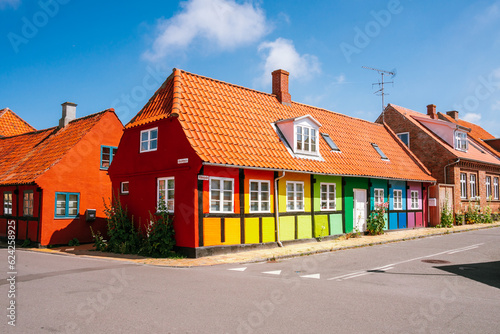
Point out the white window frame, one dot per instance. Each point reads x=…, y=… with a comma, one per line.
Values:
x=259, y=192
x=489, y=193
x=461, y=141
x=404, y=133
x=310, y=140
x=463, y=185
x=327, y=194
x=169, y=201
x=122, y=188
x=473, y=186
x=397, y=199
x=221, y=195
x=148, y=140
x=414, y=199
x=496, y=191
x=377, y=197
x=7, y=203
x=295, y=201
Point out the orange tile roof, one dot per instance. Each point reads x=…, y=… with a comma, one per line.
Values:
x=12, y=125
x=25, y=157
x=476, y=131
x=473, y=153
x=232, y=125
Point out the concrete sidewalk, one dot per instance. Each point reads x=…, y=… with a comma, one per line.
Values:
x=272, y=254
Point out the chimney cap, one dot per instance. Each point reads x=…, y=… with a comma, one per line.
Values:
x=69, y=104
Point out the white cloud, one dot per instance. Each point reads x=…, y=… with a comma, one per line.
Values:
x=223, y=23
x=340, y=79
x=281, y=54
x=490, y=14
x=11, y=3
x=472, y=117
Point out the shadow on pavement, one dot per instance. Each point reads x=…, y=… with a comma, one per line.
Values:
x=486, y=273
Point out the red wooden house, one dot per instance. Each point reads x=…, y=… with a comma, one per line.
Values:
x=51, y=180
x=240, y=168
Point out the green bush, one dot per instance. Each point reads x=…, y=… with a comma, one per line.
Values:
x=446, y=217
x=124, y=238
x=459, y=218
x=26, y=243
x=159, y=240
x=122, y=235
x=376, y=221
x=74, y=242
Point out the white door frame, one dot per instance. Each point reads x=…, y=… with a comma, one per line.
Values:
x=361, y=225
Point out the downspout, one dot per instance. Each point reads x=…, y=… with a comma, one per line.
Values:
x=276, y=208
x=453, y=163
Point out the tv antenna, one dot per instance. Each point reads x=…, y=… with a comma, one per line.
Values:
x=381, y=84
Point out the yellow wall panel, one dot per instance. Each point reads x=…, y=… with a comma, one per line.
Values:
x=287, y=228
x=304, y=227
x=268, y=229
x=232, y=231
x=252, y=230
x=211, y=231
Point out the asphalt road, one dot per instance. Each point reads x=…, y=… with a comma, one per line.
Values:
x=445, y=284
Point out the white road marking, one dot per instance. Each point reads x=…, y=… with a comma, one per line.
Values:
x=275, y=272
x=340, y=277
x=358, y=275
x=238, y=269
x=316, y=276
x=392, y=265
x=463, y=250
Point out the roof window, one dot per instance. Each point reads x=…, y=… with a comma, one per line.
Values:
x=330, y=142
x=379, y=151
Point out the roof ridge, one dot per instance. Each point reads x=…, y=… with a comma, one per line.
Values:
x=225, y=82
x=335, y=112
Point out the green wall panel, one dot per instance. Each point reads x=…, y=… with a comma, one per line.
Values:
x=336, y=224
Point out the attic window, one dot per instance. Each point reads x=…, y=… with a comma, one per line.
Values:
x=461, y=143
x=306, y=139
x=330, y=142
x=379, y=151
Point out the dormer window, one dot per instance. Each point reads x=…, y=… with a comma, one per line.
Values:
x=461, y=142
x=306, y=139
x=300, y=136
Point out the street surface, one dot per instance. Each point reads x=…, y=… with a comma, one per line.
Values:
x=441, y=284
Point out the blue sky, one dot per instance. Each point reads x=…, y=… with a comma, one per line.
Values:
x=115, y=54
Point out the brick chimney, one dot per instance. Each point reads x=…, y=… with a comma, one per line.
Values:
x=280, y=87
x=453, y=114
x=68, y=113
x=431, y=111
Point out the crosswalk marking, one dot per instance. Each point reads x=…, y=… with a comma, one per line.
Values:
x=316, y=276
x=275, y=272
x=238, y=269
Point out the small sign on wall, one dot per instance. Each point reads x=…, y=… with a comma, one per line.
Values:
x=182, y=161
x=432, y=202
x=203, y=177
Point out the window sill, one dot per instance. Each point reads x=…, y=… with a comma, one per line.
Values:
x=68, y=217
